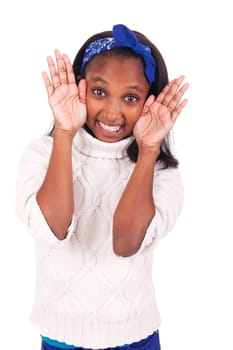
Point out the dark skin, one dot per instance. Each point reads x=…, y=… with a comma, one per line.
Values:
x=112, y=100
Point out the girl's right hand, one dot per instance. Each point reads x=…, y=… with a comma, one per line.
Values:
x=67, y=100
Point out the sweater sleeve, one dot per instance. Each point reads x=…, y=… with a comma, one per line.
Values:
x=32, y=170
x=168, y=195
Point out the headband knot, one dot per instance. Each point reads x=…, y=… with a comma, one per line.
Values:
x=122, y=37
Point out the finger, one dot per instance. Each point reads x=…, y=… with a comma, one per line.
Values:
x=69, y=70
x=177, y=97
x=61, y=67
x=170, y=90
x=160, y=98
x=147, y=104
x=82, y=91
x=53, y=72
x=178, y=109
x=47, y=82
x=173, y=90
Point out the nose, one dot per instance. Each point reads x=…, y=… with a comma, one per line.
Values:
x=112, y=109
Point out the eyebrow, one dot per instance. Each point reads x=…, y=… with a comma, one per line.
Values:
x=130, y=87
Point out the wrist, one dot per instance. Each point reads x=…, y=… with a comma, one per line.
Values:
x=63, y=133
x=63, y=139
x=150, y=152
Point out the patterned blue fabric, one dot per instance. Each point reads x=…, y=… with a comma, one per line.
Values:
x=150, y=343
x=122, y=37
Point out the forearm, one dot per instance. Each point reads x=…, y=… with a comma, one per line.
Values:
x=136, y=207
x=55, y=196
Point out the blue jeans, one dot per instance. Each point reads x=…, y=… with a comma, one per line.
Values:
x=150, y=343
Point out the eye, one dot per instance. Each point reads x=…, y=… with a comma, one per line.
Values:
x=131, y=98
x=99, y=92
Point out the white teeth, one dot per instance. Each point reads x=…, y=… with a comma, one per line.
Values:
x=110, y=128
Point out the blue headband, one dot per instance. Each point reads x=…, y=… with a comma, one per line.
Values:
x=122, y=37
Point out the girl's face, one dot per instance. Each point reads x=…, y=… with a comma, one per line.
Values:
x=116, y=91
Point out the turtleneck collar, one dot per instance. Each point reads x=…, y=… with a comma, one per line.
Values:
x=89, y=145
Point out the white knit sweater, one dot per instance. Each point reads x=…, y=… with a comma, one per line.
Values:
x=85, y=294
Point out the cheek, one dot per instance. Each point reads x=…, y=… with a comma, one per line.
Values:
x=133, y=114
x=92, y=106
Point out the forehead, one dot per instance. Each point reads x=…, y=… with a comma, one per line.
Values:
x=117, y=67
x=119, y=52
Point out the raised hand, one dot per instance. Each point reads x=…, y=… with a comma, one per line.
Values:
x=67, y=100
x=159, y=114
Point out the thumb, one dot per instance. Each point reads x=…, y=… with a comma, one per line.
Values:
x=149, y=101
x=82, y=91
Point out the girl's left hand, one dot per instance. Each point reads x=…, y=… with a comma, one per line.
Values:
x=159, y=114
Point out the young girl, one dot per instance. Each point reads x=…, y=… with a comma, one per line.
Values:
x=100, y=191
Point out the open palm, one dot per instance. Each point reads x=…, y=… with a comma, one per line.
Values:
x=159, y=115
x=67, y=100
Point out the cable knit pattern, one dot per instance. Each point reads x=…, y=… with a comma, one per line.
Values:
x=85, y=294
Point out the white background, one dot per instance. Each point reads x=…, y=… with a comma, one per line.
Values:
x=193, y=265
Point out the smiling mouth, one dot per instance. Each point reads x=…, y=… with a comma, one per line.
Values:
x=110, y=128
